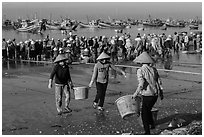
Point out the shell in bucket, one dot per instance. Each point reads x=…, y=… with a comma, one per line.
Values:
x=128, y=106
x=81, y=92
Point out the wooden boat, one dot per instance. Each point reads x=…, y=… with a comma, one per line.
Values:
x=32, y=28
x=7, y=24
x=88, y=25
x=52, y=27
x=193, y=26
x=118, y=26
x=153, y=23
x=174, y=24
x=103, y=24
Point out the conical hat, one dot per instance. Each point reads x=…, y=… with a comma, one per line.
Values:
x=60, y=57
x=143, y=58
x=103, y=56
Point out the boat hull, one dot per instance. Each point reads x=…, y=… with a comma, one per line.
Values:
x=174, y=25
x=83, y=25
x=32, y=28
x=152, y=25
x=52, y=27
x=193, y=27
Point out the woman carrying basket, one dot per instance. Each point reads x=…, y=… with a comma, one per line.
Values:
x=101, y=76
x=63, y=83
x=148, y=88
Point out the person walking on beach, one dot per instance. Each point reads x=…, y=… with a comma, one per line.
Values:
x=149, y=88
x=63, y=82
x=100, y=76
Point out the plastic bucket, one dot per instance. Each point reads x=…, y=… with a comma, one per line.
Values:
x=154, y=114
x=128, y=106
x=81, y=92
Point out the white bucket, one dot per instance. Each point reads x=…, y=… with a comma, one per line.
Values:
x=81, y=92
x=128, y=106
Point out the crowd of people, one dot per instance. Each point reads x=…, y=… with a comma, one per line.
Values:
x=120, y=48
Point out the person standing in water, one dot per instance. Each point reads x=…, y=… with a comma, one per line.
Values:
x=63, y=83
x=149, y=88
x=101, y=76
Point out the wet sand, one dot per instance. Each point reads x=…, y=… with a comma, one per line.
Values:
x=28, y=106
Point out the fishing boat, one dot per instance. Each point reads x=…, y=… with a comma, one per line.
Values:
x=174, y=23
x=153, y=22
x=105, y=24
x=7, y=24
x=68, y=24
x=89, y=25
x=193, y=26
x=118, y=26
x=28, y=27
x=32, y=29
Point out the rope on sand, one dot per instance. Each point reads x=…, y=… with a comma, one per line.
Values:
x=165, y=70
x=46, y=62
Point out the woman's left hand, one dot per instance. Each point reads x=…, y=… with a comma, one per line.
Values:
x=124, y=74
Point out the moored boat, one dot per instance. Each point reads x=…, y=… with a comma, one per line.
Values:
x=53, y=27
x=88, y=25
x=103, y=24
x=193, y=26
x=175, y=24
x=32, y=28
x=7, y=24
x=153, y=22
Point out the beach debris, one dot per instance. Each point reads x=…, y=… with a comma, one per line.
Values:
x=194, y=128
x=176, y=122
x=130, y=133
x=178, y=131
x=56, y=125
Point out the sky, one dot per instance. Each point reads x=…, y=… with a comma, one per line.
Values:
x=94, y=10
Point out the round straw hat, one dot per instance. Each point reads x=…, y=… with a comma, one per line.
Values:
x=103, y=55
x=143, y=58
x=60, y=57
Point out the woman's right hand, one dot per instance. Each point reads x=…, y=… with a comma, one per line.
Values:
x=90, y=84
x=49, y=85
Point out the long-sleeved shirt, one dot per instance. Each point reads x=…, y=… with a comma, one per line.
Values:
x=148, y=81
x=61, y=74
x=101, y=72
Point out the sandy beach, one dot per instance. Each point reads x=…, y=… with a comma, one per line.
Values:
x=28, y=106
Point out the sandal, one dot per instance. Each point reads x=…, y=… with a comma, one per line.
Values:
x=100, y=109
x=67, y=110
x=94, y=105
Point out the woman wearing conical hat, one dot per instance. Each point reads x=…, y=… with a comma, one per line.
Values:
x=100, y=76
x=149, y=88
x=63, y=82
